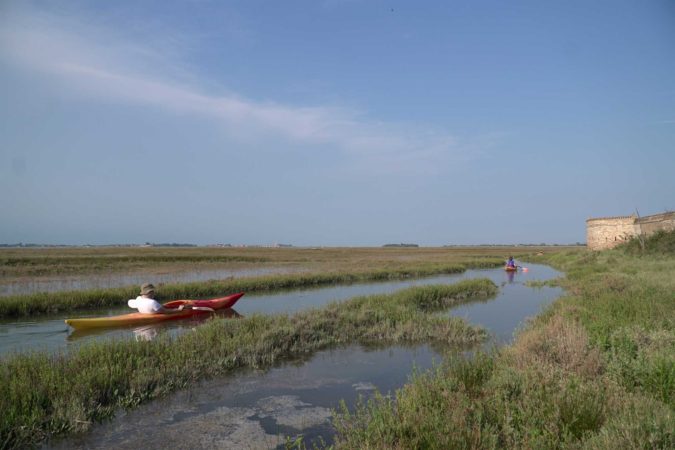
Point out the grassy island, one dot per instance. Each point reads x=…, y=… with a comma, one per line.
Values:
x=54, y=302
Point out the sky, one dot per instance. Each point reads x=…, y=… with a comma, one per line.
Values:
x=335, y=122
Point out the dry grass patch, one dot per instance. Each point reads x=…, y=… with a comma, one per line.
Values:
x=560, y=343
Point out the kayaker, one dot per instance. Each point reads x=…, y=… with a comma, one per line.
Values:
x=511, y=263
x=145, y=303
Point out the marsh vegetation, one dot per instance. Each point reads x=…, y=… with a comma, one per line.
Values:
x=42, y=262
x=320, y=267
x=595, y=370
x=42, y=395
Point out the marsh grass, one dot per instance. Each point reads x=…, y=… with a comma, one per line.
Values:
x=44, y=395
x=662, y=242
x=63, y=265
x=595, y=370
x=542, y=283
x=49, y=303
x=16, y=263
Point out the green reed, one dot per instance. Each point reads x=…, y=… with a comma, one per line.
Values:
x=595, y=370
x=43, y=395
x=49, y=303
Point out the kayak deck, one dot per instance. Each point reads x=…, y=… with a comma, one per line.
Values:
x=143, y=319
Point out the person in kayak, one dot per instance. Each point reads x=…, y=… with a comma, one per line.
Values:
x=145, y=303
x=511, y=263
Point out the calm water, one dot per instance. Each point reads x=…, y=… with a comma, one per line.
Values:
x=259, y=409
x=500, y=315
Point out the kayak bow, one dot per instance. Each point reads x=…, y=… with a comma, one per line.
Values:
x=204, y=307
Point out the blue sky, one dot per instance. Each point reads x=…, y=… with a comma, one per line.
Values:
x=332, y=122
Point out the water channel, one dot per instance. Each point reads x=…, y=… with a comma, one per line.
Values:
x=501, y=315
x=260, y=409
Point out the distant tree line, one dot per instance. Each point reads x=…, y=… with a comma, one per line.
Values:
x=170, y=244
x=147, y=244
x=400, y=245
x=29, y=244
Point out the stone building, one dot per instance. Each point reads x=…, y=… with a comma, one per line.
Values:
x=607, y=232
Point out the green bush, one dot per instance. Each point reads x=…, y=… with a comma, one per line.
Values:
x=660, y=243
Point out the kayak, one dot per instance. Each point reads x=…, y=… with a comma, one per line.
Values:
x=510, y=269
x=143, y=319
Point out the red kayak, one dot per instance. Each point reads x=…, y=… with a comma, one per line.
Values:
x=143, y=319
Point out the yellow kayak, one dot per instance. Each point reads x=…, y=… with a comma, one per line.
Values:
x=144, y=319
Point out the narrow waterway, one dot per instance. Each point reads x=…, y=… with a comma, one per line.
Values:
x=50, y=333
x=261, y=409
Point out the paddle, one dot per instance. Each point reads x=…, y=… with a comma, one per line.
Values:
x=524, y=269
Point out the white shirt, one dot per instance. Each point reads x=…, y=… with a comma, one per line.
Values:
x=145, y=305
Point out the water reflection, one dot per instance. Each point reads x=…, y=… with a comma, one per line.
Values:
x=146, y=333
x=151, y=331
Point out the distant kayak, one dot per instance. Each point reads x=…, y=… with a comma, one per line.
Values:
x=510, y=269
x=143, y=319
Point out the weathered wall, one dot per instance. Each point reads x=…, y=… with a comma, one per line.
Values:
x=652, y=224
x=607, y=232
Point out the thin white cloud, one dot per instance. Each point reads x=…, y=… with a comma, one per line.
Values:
x=98, y=63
